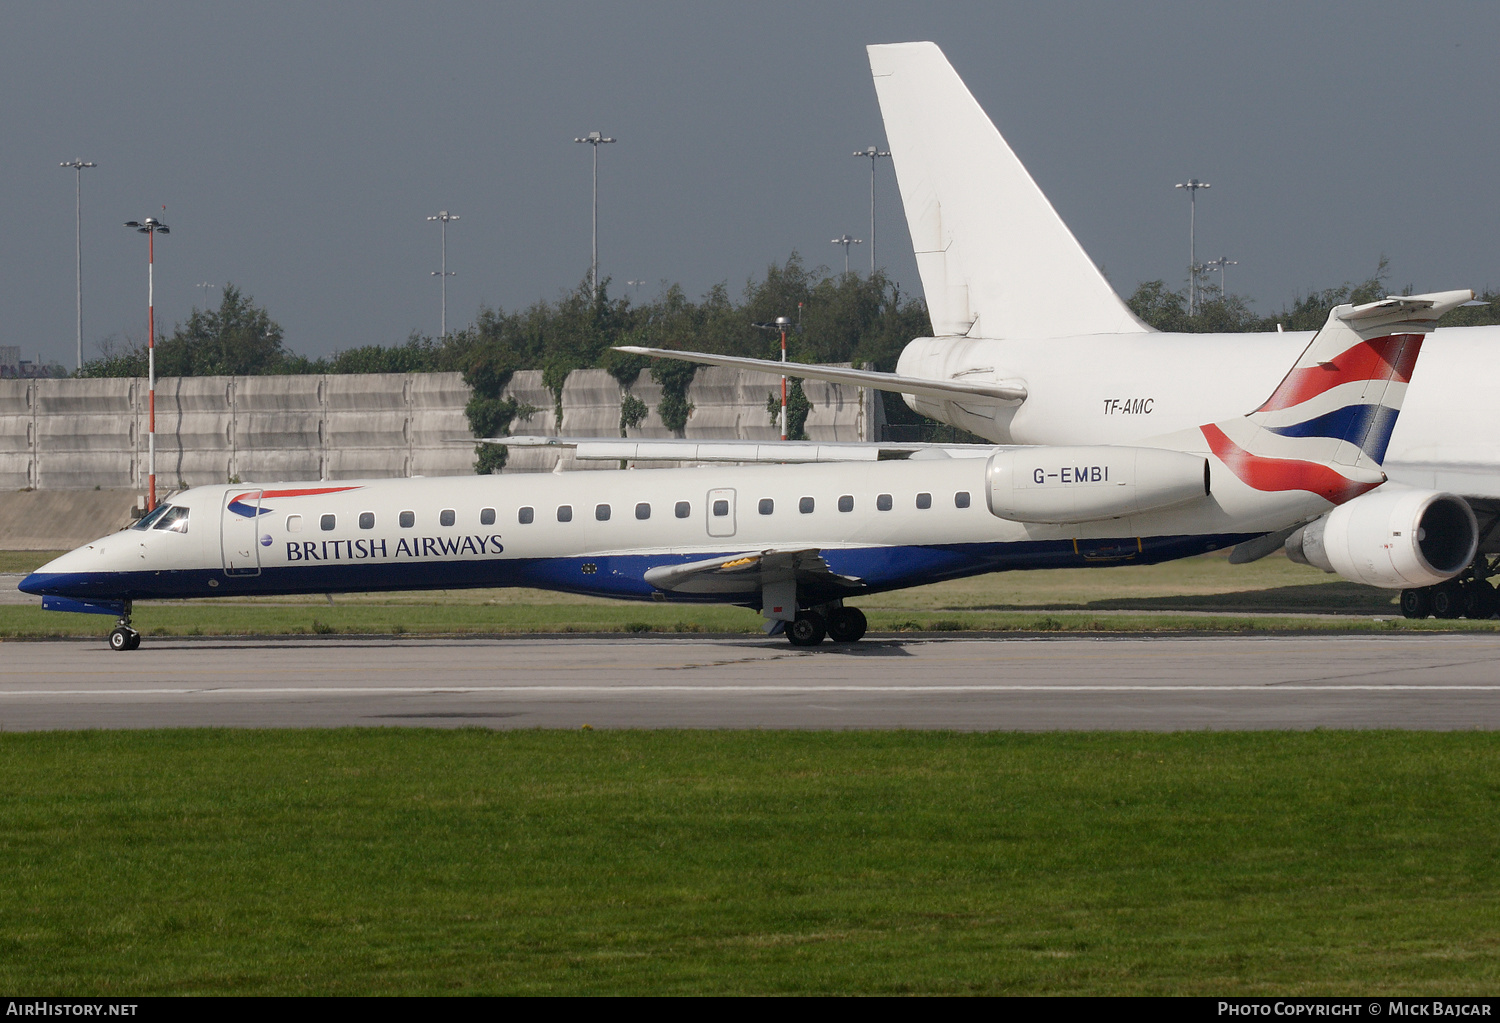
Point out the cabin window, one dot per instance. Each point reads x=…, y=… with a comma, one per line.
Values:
x=366, y=520
x=328, y=522
x=486, y=516
x=408, y=519
x=526, y=516
x=805, y=506
x=176, y=519
x=601, y=512
x=447, y=517
x=294, y=523
x=924, y=501
x=682, y=510
x=643, y=511
x=565, y=513
x=846, y=503
x=767, y=506
x=721, y=508
x=883, y=502
x=961, y=499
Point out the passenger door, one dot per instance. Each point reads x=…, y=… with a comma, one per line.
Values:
x=720, y=507
x=239, y=534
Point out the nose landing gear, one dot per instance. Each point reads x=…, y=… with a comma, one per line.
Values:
x=124, y=637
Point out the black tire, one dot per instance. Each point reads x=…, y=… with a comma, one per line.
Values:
x=808, y=630
x=1447, y=601
x=135, y=641
x=1479, y=599
x=847, y=625
x=1416, y=603
x=119, y=639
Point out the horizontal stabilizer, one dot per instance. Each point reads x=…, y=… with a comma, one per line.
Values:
x=749, y=572
x=943, y=390
x=781, y=452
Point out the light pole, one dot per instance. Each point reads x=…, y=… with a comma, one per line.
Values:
x=595, y=140
x=783, y=324
x=874, y=154
x=79, y=166
x=442, y=218
x=1219, y=264
x=1192, y=185
x=846, y=241
x=204, y=286
x=150, y=227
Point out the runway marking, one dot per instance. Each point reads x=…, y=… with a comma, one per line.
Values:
x=739, y=690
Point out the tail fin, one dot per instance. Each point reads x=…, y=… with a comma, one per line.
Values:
x=1326, y=426
x=996, y=259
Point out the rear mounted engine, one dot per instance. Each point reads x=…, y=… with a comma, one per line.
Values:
x=1395, y=539
x=1085, y=484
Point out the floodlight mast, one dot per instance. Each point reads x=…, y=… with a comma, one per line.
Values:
x=1219, y=264
x=846, y=241
x=783, y=324
x=1192, y=185
x=78, y=166
x=595, y=139
x=442, y=218
x=150, y=227
x=873, y=154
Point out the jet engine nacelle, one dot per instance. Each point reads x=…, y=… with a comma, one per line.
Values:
x=1083, y=484
x=1395, y=539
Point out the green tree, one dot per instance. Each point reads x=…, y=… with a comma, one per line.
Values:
x=239, y=338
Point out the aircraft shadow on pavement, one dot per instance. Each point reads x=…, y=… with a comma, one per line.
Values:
x=1318, y=598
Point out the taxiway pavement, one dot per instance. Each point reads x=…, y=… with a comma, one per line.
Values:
x=1156, y=683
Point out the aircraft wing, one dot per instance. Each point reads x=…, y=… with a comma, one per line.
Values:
x=781, y=452
x=752, y=570
x=943, y=390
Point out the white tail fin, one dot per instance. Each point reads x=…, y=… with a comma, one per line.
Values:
x=996, y=259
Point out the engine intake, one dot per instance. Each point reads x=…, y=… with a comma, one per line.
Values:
x=1394, y=539
x=1084, y=484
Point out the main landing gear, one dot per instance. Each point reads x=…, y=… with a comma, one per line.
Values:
x=124, y=637
x=1469, y=595
x=840, y=624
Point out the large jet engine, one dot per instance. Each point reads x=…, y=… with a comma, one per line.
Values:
x=1085, y=484
x=1394, y=539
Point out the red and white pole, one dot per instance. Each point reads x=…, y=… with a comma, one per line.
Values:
x=783, y=382
x=151, y=368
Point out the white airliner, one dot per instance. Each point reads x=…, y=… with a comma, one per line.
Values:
x=1032, y=346
x=798, y=541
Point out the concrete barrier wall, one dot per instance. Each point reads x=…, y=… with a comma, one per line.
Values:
x=81, y=434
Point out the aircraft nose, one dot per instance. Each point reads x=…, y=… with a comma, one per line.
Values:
x=33, y=583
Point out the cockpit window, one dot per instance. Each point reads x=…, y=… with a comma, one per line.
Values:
x=176, y=519
x=149, y=519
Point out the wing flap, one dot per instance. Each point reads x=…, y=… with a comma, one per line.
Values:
x=750, y=572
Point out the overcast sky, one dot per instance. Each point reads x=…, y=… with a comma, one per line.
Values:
x=299, y=148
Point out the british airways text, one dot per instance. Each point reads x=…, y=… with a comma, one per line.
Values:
x=406, y=547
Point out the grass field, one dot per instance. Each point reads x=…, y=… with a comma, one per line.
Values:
x=1269, y=595
x=403, y=861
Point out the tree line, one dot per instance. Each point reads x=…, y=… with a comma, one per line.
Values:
x=837, y=318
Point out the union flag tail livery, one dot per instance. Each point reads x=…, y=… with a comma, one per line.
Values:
x=1325, y=428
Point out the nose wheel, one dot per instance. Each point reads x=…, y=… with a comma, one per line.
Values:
x=124, y=637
